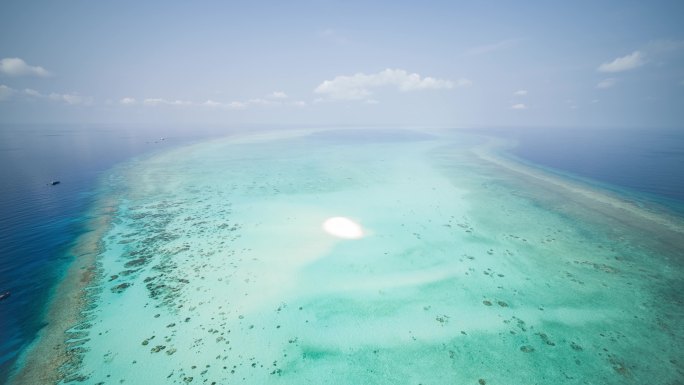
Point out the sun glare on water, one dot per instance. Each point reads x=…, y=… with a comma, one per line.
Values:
x=342, y=227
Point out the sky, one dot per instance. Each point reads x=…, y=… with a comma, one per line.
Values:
x=431, y=63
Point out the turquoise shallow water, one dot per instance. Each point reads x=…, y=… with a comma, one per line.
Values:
x=216, y=269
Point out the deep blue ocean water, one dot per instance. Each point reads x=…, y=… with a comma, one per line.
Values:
x=646, y=164
x=38, y=222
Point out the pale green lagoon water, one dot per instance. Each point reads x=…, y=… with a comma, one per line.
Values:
x=216, y=270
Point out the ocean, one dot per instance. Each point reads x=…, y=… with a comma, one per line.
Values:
x=39, y=222
x=642, y=163
x=182, y=188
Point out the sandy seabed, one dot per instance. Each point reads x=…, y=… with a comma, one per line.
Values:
x=212, y=264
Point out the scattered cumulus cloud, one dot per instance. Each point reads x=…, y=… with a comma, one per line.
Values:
x=212, y=104
x=657, y=52
x=278, y=98
x=7, y=93
x=32, y=93
x=259, y=102
x=359, y=86
x=274, y=99
x=606, y=83
x=519, y=106
x=520, y=93
x=624, y=63
x=278, y=95
x=14, y=66
x=237, y=105
x=72, y=99
x=165, y=102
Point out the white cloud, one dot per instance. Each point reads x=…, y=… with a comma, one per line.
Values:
x=487, y=48
x=278, y=95
x=237, y=105
x=13, y=66
x=72, y=99
x=606, y=83
x=358, y=86
x=520, y=93
x=212, y=104
x=32, y=93
x=274, y=99
x=153, y=101
x=259, y=102
x=161, y=101
x=519, y=106
x=5, y=92
x=625, y=63
x=28, y=93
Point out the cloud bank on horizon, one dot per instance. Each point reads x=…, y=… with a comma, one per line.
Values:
x=330, y=63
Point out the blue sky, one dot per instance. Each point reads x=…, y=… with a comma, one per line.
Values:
x=457, y=64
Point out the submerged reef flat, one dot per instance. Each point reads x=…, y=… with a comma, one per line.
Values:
x=59, y=347
x=216, y=268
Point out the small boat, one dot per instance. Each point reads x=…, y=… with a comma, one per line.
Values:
x=5, y=295
x=54, y=182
